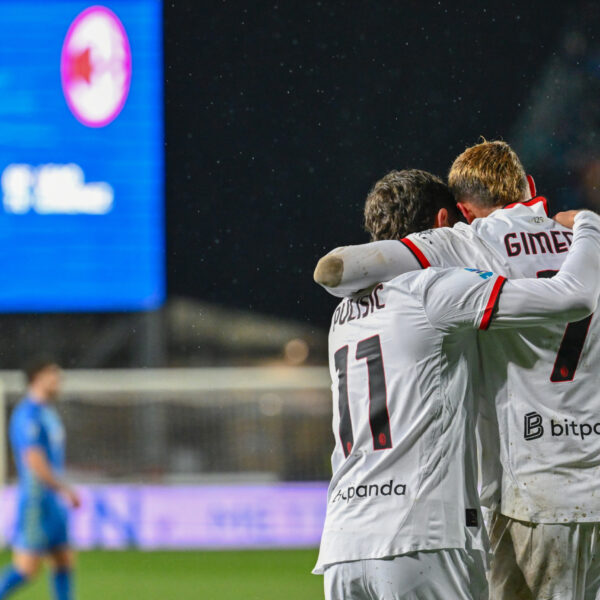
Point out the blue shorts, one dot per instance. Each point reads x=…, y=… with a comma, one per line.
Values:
x=41, y=525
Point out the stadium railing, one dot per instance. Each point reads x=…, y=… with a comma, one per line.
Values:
x=189, y=425
x=189, y=458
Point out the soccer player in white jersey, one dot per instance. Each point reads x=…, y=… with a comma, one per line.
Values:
x=403, y=517
x=545, y=382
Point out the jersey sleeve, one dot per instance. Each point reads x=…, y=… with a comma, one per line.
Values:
x=461, y=298
x=570, y=296
x=29, y=431
x=348, y=270
x=442, y=247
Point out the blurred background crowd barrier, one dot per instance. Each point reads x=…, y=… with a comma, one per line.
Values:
x=191, y=457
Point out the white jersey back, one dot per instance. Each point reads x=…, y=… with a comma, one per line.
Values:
x=404, y=463
x=545, y=380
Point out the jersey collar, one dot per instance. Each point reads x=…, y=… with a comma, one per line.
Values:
x=538, y=202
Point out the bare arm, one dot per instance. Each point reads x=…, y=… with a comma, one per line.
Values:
x=36, y=460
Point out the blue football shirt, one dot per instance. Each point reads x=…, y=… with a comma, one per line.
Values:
x=38, y=425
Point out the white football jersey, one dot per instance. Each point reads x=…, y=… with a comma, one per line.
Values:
x=404, y=463
x=545, y=381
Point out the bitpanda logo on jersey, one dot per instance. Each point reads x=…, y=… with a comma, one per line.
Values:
x=559, y=428
x=533, y=426
x=361, y=492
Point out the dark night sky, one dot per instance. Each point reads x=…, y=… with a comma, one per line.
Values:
x=281, y=116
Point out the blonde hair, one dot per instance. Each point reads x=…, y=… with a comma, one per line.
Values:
x=489, y=174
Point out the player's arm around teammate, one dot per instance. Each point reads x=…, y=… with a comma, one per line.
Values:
x=454, y=301
x=570, y=296
x=427, y=308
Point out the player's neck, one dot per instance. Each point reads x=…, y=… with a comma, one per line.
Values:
x=37, y=396
x=482, y=213
x=472, y=211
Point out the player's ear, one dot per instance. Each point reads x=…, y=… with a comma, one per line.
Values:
x=441, y=219
x=466, y=212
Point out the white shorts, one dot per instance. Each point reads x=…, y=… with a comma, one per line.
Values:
x=539, y=561
x=437, y=575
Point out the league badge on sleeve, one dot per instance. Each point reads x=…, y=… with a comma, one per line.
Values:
x=482, y=274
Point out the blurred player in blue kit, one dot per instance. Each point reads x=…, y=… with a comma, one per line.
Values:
x=38, y=443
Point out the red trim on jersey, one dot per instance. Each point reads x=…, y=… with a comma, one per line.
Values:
x=492, y=301
x=531, y=183
x=416, y=252
x=531, y=202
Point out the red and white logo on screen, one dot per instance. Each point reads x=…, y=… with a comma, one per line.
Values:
x=95, y=66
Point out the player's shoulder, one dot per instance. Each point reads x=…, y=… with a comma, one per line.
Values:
x=407, y=283
x=457, y=287
x=27, y=410
x=455, y=274
x=421, y=280
x=447, y=246
x=25, y=416
x=431, y=237
x=419, y=285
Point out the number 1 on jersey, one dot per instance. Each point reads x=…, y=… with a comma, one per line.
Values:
x=341, y=366
x=571, y=346
x=379, y=417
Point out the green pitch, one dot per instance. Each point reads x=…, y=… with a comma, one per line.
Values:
x=251, y=575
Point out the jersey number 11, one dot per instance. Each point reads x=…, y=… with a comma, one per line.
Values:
x=379, y=417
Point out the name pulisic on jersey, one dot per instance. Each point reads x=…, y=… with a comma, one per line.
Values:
x=352, y=309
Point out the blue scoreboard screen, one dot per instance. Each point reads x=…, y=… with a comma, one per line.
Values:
x=81, y=156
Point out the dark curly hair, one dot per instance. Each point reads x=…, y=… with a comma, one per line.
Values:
x=404, y=202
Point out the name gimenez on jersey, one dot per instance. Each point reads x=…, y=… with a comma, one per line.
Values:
x=358, y=308
x=370, y=491
x=551, y=242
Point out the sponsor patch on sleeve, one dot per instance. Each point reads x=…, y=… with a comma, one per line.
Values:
x=482, y=274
